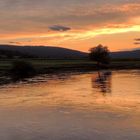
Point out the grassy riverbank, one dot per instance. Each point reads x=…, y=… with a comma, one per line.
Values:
x=52, y=66
x=41, y=64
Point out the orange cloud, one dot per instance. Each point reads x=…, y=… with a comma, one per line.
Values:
x=87, y=21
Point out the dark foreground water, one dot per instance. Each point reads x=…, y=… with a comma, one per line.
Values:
x=76, y=106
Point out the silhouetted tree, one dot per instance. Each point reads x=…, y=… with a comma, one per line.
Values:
x=100, y=54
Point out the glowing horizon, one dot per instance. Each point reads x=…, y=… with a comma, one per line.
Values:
x=74, y=24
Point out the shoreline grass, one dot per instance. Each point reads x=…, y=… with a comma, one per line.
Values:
x=39, y=64
x=44, y=66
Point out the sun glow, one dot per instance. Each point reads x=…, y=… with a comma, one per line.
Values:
x=82, y=35
x=71, y=27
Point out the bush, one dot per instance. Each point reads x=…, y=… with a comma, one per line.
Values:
x=22, y=69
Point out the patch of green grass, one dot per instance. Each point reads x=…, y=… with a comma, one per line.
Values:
x=46, y=63
x=6, y=64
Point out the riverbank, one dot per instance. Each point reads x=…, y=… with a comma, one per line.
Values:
x=44, y=66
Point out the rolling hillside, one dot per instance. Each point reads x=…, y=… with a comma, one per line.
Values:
x=134, y=54
x=60, y=53
x=45, y=51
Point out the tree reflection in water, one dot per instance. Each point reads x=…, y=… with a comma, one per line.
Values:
x=102, y=81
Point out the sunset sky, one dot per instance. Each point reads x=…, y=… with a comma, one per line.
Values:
x=75, y=24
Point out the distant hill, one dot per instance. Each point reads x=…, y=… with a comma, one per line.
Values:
x=57, y=52
x=12, y=54
x=45, y=51
x=134, y=54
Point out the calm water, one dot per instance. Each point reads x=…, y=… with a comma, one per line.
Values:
x=77, y=106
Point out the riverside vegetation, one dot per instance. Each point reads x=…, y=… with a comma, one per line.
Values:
x=99, y=58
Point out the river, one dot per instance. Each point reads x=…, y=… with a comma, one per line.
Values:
x=101, y=105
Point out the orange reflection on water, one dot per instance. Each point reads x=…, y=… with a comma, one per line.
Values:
x=81, y=91
x=101, y=105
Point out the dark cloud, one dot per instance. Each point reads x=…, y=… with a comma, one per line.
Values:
x=14, y=42
x=137, y=39
x=137, y=43
x=59, y=28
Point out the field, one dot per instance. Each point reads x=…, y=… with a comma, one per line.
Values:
x=5, y=64
x=44, y=63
